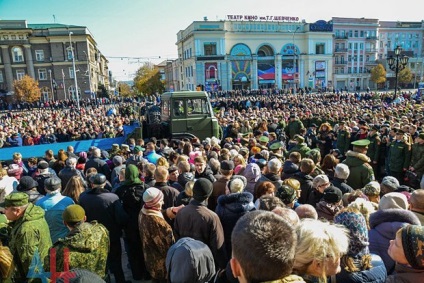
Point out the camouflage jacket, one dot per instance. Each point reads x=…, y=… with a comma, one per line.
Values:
x=88, y=246
x=361, y=172
x=28, y=234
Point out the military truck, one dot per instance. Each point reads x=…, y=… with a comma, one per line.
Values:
x=181, y=114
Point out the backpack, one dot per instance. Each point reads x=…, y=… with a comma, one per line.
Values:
x=131, y=197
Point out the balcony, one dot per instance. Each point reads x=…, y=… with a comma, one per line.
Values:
x=371, y=38
x=371, y=63
x=340, y=50
x=371, y=50
x=341, y=37
x=338, y=63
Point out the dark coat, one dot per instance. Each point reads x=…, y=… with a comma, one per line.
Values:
x=342, y=185
x=170, y=194
x=219, y=188
x=100, y=165
x=106, y=208
x=405, y=274
x=67, y=173
x=229, y=209
x=376, y=274
x=200, y=223
x=383, y=227
x=207, y=173
x=305, y=186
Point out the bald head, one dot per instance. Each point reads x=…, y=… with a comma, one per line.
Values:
x=417, y=200
x=306, y=211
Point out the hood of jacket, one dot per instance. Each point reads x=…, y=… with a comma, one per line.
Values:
x=252, y=172
x=237, y=202
x=355, y=159
x=388, y=221
x=32, y=213
x=290, y=168
x=185, y=177
x=302, y=176
x=84, y=238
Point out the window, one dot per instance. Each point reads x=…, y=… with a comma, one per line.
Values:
x=349, y=71
x=355, y=46
x=350, y=45
x=20, y=74
x=367, y=58
x=342, y=71
x=342, y=60
x=389, y=44
x=42, y=74
x=361, y=46
x=361, y=58
x=349, y=58
x=39, y=55
x=362, y=33
x=320, y=48
x=71, y=73
x=356, y=33
x=69, y=53
x=197, y=106
x=179, y=107
x=18, y=55
x=1, y=77
x=350, y=33
x=210, y=48
x=360, y=69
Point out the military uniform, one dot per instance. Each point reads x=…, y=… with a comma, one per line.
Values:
x=361, y=172
x=417, y=159
x=88, y=246
x=343, y=140
x=293, y=128
x=374, y=151
x=399, y=158
x=29, y=233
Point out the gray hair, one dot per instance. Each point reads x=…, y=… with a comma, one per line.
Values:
x=274, y=165
x=341, y=171
x=71, y=161
x=96, y=152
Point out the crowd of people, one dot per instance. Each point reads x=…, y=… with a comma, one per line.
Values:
x=319, y=188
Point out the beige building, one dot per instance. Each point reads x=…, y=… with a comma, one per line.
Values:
x=43, y=51
x=253, y=54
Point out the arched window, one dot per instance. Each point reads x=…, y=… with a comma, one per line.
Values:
x=69, y=53
x=46, y=94
x=71, y=92
x=18, y=54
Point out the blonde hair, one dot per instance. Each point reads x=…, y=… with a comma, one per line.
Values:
x=293, y=183
x=319, y=241
x=188, y=189
x=162, y=162
x=365, y=207
x=17, y=155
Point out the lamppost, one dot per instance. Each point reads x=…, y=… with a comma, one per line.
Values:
x=294, y=60
x=396, y=64
x=89, y=74
x=75, y=72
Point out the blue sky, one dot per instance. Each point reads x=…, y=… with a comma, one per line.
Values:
x=146, y=28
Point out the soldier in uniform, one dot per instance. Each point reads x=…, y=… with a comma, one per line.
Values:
x=293, y=127
x=417, y=159
x=399, y=156
x=30, y=233
x=361, y=172
x=88, y=243
x=374, y=148
x=300, y=146
x=343, y=138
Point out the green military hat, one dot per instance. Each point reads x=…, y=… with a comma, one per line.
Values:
x=15, y=199
x=363, y=142
x=275, y=146
x=115, y=146
x=73, y=213
x=264, y=139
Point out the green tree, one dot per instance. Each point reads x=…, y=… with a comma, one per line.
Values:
x=148, y=80
x=405, y=76
x=125, y=90
x=26, y=89
x=101, y=91
x=378, y=74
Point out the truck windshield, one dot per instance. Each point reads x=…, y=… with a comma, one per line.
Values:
x=197, y=106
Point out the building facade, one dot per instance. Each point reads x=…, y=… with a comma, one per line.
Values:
x=239, y=54
x=44, y=52
x=247, y=52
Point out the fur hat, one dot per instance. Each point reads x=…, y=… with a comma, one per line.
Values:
x=413, y=245
x=393, y=200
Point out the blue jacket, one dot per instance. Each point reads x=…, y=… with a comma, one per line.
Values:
x=376, y=274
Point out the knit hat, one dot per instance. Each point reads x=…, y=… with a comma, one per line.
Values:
x=73, y=213
x=357, y=226
x=26, y=183
x=202, y=189
x=332, y=194
x=391, y=182
x=413, y=245
x=320, y=180
x=286, y=194
x=372, y=189
x=393, y=200
x=151, y=197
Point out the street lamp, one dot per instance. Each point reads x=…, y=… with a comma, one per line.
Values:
x=294, y=60
x=73, y=67
x=88, y=73
x=396, y=64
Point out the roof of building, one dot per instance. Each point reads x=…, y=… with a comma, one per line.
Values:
x=54, y=25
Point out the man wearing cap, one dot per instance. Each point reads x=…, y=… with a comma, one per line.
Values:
x=87, y=242
x=361, y=172
x=106, y=208
x=200, y=223
x=29, y=186
x=293, y=127
x=220, y=186
x=43, y=172
x=407, y=250
x=373, y=151
x=137, y=156
x=30, y=233
x=343, y=138
x=399, y=156
x=54, y=204
x=300, y=146
x=417, y=159
x=115, y=150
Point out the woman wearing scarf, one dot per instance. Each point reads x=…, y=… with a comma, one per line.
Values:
x=155, y=233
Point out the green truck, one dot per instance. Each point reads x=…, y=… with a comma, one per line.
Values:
x=182, y=114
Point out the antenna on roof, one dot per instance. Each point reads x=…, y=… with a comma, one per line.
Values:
x=54, y=19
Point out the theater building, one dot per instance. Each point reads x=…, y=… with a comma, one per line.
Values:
x=252, y=52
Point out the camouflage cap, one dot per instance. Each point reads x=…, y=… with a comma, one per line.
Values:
x=364, y=142
x=73, y=213
x=15, y=199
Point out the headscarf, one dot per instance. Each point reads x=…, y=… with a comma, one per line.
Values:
x=132, y=175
